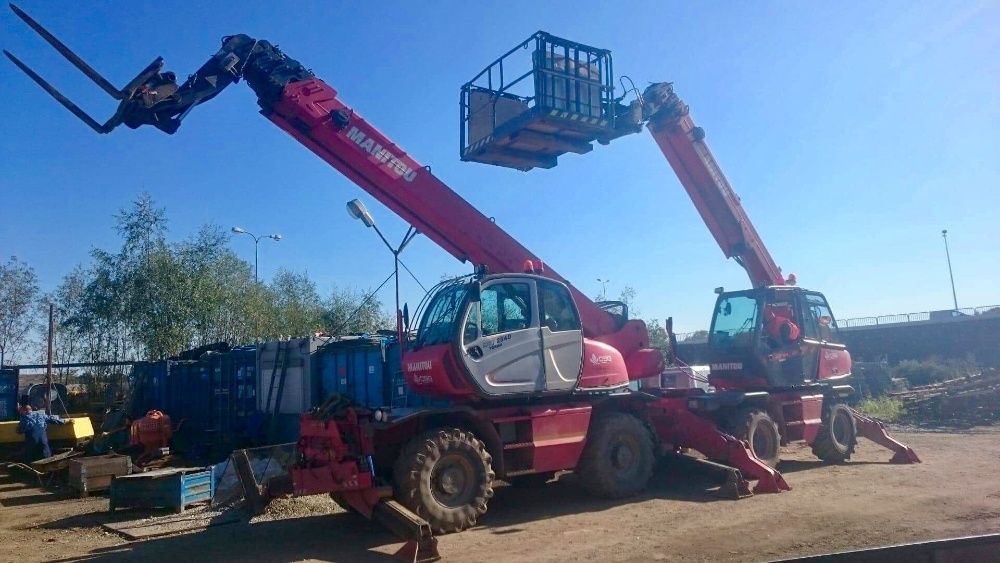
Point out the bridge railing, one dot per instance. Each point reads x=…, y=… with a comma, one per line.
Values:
x=880, y=320
x=919, y=316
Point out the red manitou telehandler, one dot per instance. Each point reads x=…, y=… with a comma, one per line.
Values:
x=534, y=376
x=776, y=358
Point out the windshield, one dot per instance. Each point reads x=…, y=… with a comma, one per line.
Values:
x=734, y=322
x=437, y=326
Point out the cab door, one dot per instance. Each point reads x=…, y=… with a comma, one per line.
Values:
x=501, y=342
x=827, y=356
x=562, y=336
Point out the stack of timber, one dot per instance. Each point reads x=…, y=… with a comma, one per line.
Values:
x=966, y=401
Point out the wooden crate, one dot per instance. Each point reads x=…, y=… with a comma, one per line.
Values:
x=90, y=474
x=171, y=488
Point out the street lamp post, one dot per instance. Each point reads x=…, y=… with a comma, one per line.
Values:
x=358, y=210
x=256, y=240
x=954, y=297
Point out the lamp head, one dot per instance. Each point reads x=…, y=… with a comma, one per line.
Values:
x=358, y=210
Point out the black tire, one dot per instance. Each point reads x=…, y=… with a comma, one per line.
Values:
x=446, y=477
x=531, y=480
x=618, y=458
x=760, y=431
x=837, y=435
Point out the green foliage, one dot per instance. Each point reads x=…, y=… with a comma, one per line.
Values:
x=931, y=371
x=18, y=299
x=888, y=409
x=152, y=299
x=658, y=337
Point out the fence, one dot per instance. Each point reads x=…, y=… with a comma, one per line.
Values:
x=922, y=316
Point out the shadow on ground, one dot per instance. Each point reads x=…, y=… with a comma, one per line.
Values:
x=347, y=537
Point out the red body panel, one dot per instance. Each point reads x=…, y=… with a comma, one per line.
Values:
x=603, y=366
x=798, y=415
x=833, y=364
x=558, y=436
x=434, y=371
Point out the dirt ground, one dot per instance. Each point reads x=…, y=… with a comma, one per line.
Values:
x=955, y=492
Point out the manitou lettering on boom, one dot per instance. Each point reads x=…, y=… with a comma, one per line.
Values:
x=381, y=154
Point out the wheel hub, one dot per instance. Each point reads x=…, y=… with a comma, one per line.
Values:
x=622, y=456
x=452, y=480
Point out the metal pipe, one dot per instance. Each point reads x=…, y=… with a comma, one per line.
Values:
x=48, y=370
x=944, y=235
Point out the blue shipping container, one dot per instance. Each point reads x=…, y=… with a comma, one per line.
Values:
x=8, y=395
x=367, y=370
x=355, y=368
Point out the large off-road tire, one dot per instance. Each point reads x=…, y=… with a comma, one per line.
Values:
x=446, y=477
x=618, y=458
x=837, y=435
x=760, y=431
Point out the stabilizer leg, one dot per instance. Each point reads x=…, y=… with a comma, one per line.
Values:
x=703, y=435
x=875, y=431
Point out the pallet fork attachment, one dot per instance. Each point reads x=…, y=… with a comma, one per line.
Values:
x=125, y=95
x=868, y=427
x=153, y=97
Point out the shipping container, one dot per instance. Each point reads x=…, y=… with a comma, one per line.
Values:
x=356, y=368
x=8, y=394
x=286, y=375
x=368, y=371
x=211, y=401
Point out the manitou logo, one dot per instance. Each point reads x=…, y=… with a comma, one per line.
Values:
x=419, y=366
x=731, y=366
x=600, y=360
x=381, y=154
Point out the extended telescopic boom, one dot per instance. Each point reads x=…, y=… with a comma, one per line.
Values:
x=310, y=111
x=683, y=143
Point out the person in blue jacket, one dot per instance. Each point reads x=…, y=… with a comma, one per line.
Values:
x=34, y=425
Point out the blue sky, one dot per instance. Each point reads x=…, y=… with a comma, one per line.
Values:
x=853, y=132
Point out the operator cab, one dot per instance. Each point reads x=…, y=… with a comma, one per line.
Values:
x=504, y=335
x=774, y=337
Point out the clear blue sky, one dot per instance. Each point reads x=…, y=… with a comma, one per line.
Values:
x=853, y=132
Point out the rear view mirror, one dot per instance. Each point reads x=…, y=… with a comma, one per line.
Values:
x=406, y=317
x=726, y=308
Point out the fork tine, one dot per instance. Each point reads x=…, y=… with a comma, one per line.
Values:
x=59, y=97
x=70, y=56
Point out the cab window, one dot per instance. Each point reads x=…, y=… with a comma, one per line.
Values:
x=818, y=322
x=557, y=311
x=505, y=307
x=471, y=331
x=735, y=321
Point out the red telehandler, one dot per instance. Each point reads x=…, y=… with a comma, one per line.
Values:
x=776, y=359
x=536, y=374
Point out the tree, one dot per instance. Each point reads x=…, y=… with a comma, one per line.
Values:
x=350, y=311
x=298, y=309
x=18, y=297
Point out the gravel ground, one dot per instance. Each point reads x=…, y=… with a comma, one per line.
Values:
x=680, y=518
